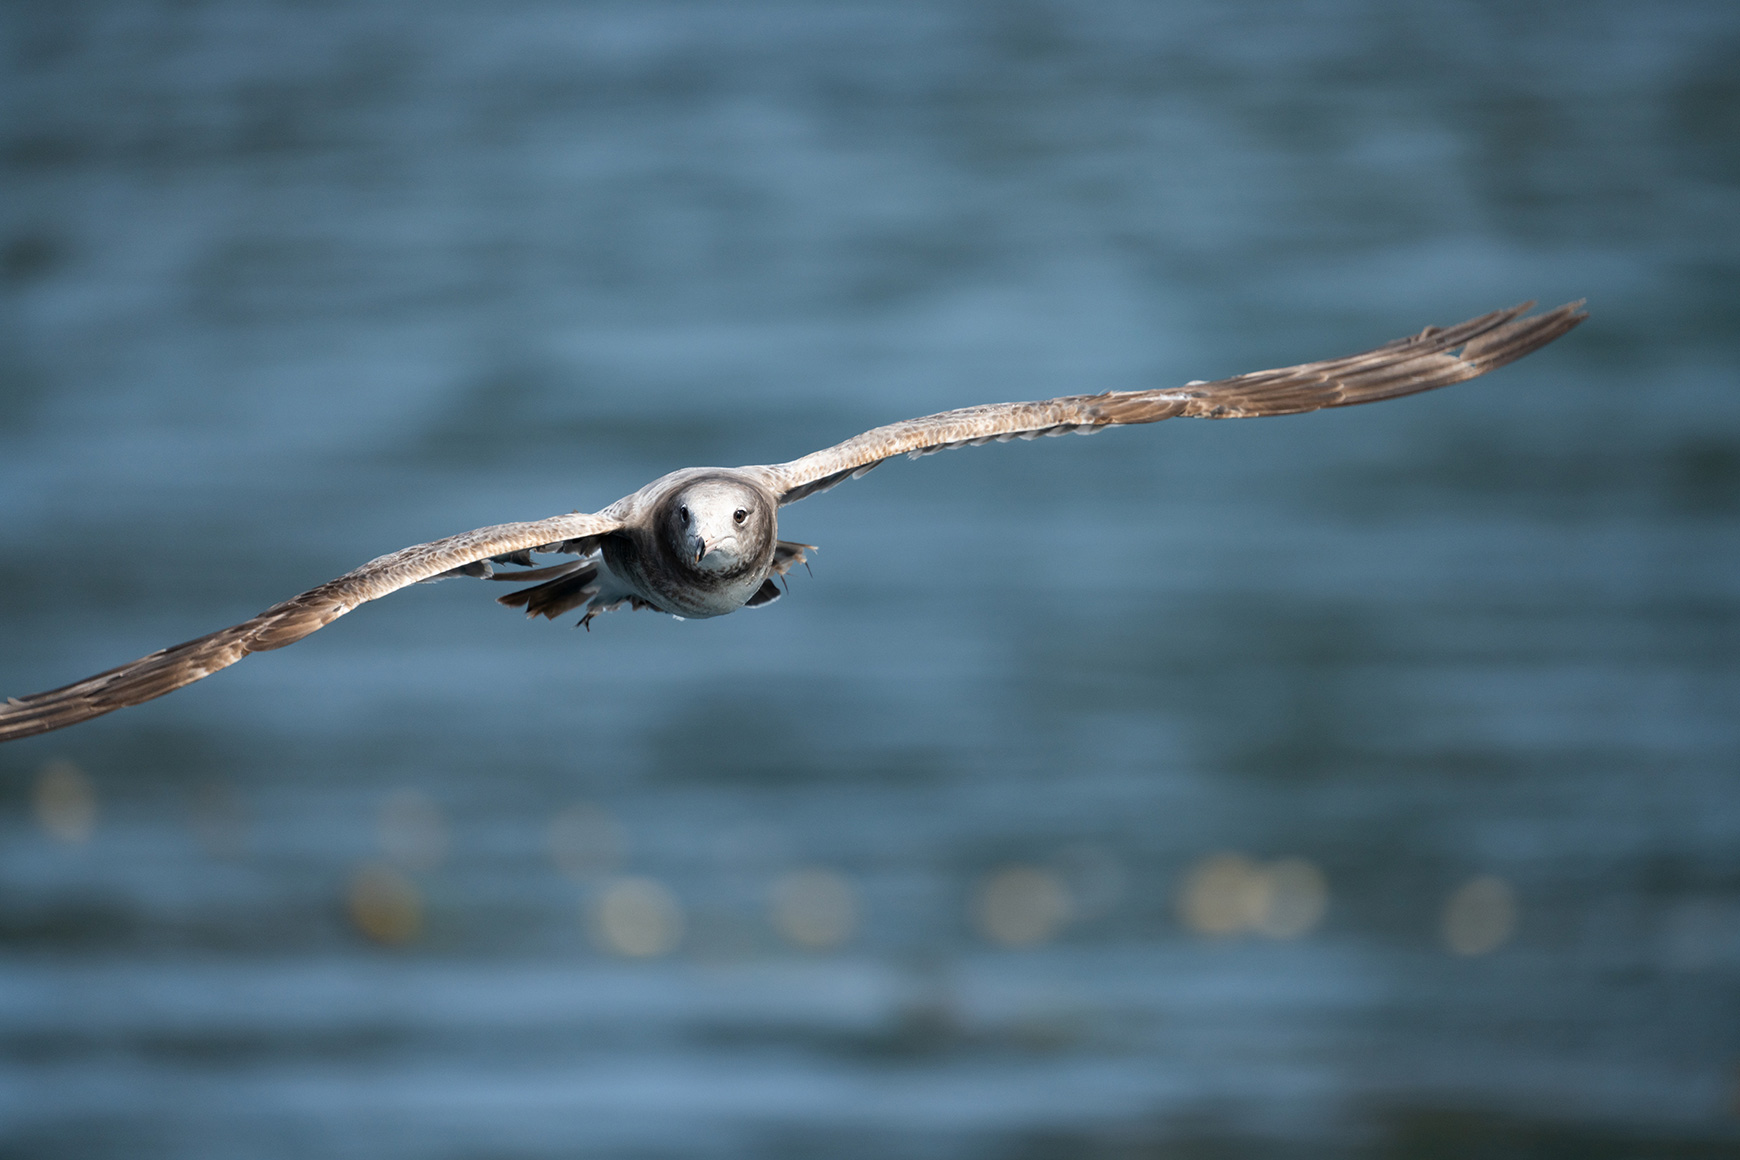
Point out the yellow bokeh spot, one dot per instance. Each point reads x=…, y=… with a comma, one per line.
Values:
x=385, y=905
x=1021, y=906
x=585, y=840
x=637, y=917
x=815, y=909
x=1480, y=917
x=1228, y=894
x=1298, y=896
x=66, y=802
x=1224, y=894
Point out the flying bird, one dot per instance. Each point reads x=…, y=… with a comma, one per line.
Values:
x=704, y=541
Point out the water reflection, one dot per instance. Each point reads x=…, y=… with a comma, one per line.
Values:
x=637, y=917
x=1021, y=906
x=814, y=908
x=1479, y=917
x=1223, y=894
x=1297, y=896
x=1229, y=893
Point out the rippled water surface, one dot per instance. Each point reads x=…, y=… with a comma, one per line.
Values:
x=1363, y=783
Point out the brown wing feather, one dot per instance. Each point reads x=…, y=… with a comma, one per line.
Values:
x=165, y=671
x=1436, y=357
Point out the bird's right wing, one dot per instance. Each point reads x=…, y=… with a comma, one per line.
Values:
x=165, y=671
x=1436, y=357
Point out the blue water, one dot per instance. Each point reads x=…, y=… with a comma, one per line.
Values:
x=286, y=286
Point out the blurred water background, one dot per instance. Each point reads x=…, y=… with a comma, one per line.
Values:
x=1363, y=783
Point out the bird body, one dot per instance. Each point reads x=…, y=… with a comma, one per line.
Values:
x=698, y=542
x=704, y=541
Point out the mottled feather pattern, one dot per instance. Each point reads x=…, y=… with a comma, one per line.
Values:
x=169, y=669
x=1406, y=366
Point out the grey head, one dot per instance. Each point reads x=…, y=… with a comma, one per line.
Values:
x=699, y=542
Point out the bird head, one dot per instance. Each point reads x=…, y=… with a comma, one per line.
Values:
x=718, y=525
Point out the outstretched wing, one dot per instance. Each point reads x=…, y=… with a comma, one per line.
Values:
x=1436, y=357
x=165, y=671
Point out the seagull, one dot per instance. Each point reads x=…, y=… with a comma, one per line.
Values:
x=704, y=541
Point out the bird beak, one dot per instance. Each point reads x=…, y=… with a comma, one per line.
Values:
x=717, y=556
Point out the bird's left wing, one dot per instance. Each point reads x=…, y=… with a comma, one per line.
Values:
x=1436, y=357
x=163, y=672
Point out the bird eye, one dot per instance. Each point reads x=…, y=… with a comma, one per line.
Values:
x=684, y=512
x=739, y=515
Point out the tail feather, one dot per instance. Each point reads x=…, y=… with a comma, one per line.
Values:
x=552, y=598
